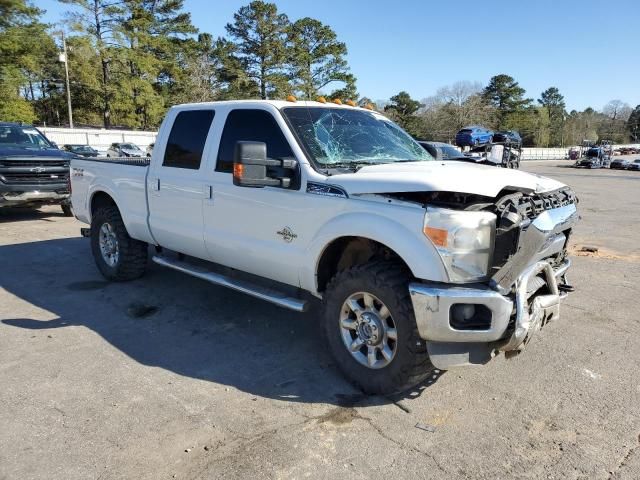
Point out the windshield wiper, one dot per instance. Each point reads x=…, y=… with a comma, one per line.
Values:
x=354, y=165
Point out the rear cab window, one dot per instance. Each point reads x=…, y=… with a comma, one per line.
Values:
x=187, y=139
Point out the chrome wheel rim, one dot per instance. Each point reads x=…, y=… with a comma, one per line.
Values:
x=108, y=242
x=368, y=330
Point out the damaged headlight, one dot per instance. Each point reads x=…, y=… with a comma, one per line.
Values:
x=464, y=240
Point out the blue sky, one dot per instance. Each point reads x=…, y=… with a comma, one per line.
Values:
x=589, y=49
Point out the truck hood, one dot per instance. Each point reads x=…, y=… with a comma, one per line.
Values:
x=18, y=153
x=438, y=176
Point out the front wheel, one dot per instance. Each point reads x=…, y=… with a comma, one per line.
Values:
x=371, y=330
x=66, y=210
x=118, y=256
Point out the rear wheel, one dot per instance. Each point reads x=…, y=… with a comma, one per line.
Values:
x=118, y=256
x=371, y=330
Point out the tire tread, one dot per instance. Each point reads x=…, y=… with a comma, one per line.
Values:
x=392, y=275
x=133, y=253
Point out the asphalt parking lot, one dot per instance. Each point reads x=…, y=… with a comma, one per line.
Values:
x=169, y=377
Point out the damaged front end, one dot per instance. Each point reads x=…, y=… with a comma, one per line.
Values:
x=468, y=324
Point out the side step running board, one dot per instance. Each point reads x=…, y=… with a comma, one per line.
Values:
x=263, y=293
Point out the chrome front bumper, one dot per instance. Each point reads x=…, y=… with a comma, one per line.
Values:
x=8, y=198
x=514, y=319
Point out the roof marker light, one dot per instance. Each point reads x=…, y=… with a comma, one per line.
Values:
x=291, y=98
x=337, y=101
x=322, y=100
x=368, y=106
x=351, y=103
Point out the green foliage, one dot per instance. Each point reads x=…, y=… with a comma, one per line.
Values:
x=402, y=109
x=507, y=96
x=13, y=107
x=27, y=59
x=553, y=101
x=316, y=58
x=99, y=21
x=403, y=105
x=633, y=124
x=258, y=33
x=129, y=60
x=347, y=92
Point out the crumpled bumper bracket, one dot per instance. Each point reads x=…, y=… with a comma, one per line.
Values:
x=432, y=305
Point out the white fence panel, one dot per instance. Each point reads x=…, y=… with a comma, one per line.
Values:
x=99, y=139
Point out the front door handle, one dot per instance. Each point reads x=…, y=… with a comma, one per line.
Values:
x=154, y=185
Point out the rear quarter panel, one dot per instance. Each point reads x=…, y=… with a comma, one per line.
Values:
x=125, y=184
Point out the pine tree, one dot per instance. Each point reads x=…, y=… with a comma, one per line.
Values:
x=258, y=33
x=28, y=57
x=316, y=57
x=553, y=101
x=98, y=21
x=504, y=93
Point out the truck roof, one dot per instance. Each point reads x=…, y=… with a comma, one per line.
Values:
x=276, y=103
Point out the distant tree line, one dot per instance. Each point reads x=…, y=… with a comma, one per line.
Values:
x=502, y=105
x=130, y=60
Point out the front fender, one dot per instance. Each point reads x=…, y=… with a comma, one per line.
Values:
x=413, y=247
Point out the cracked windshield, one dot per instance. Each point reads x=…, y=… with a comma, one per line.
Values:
x=341, y=138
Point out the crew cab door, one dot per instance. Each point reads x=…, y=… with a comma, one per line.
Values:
x=256, y=230
x=175, y=185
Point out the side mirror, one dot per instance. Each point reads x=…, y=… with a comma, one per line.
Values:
x=252, y=168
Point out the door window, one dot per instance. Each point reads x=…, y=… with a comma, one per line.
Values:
x=187, y=138
x=255, y=126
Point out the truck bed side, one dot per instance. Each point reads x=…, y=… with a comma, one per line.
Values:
x=123, y=180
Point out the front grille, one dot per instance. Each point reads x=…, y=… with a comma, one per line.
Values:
x=34, y=171
x=33, y=163
x=533, y=205
x=518, y=241
x=34, y=178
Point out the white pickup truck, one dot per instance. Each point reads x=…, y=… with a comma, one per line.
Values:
x=419, y=264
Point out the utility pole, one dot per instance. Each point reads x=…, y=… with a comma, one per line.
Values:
x=63, y=58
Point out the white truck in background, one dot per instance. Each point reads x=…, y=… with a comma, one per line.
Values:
x=420, y=264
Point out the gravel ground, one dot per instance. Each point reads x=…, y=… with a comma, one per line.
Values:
x=169, y=377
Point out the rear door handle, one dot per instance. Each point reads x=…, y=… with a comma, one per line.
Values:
x=209, y=193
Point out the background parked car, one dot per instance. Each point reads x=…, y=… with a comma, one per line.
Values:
x=595, y=157
x=82, y=150
x=619, y=164
x=33, y=171
x=473, y=135
x=150, y=149
x=124, y=150
x=635, y=165
x=443, y=151
x=508, y=136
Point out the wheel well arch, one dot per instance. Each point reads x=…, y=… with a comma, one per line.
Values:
x=345, y=252
x=101, y=199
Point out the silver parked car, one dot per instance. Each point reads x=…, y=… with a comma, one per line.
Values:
x=124, y=150
x=635, y=165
